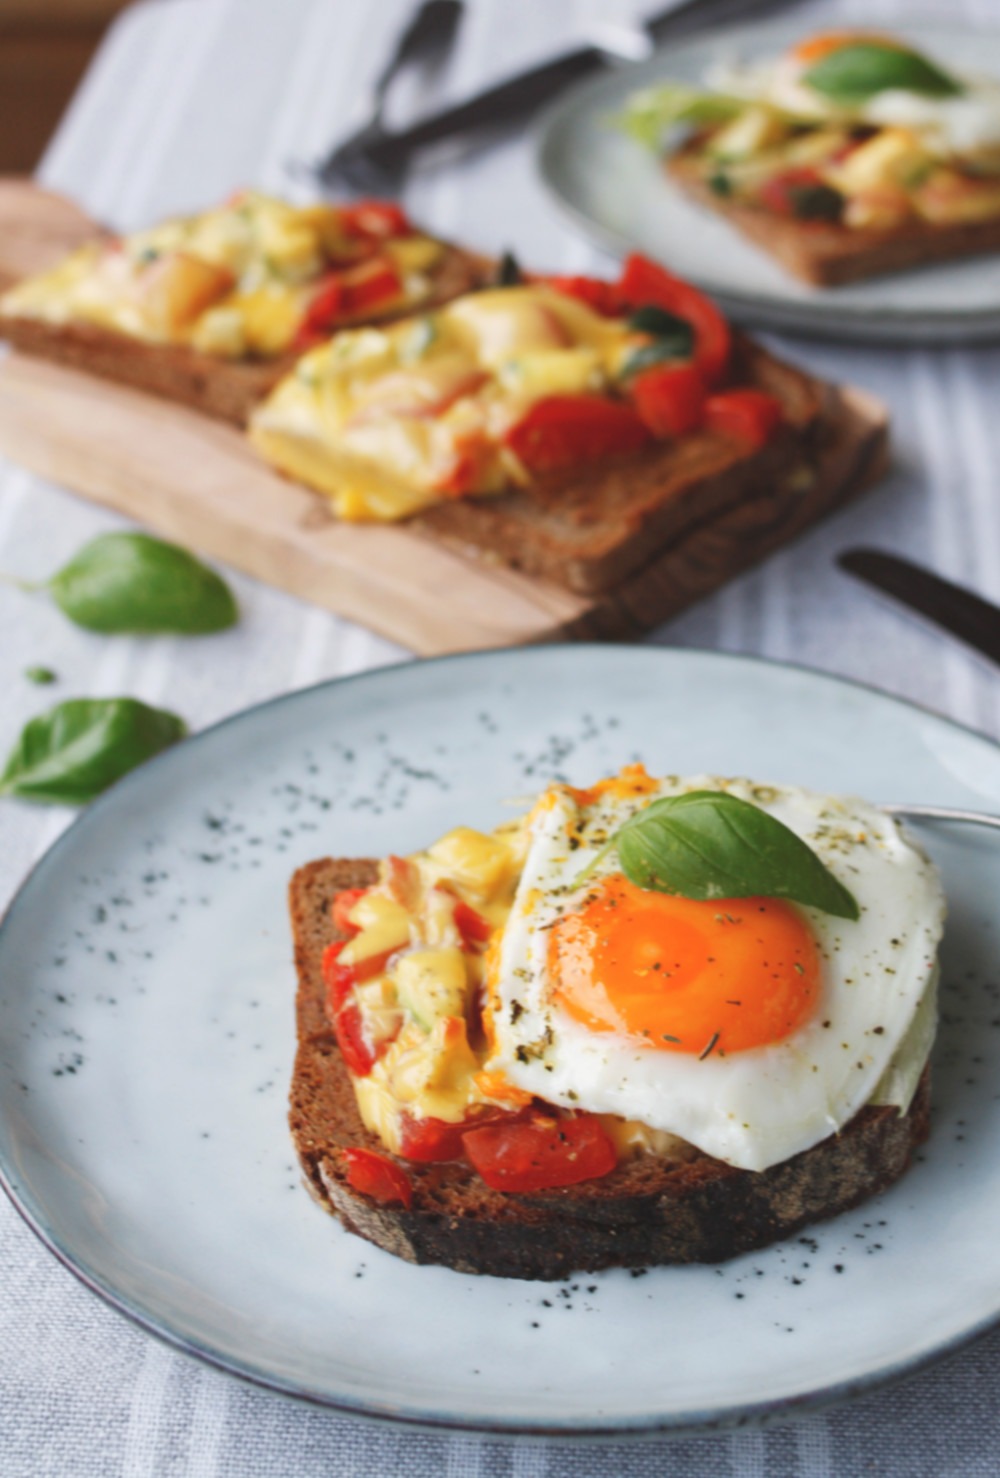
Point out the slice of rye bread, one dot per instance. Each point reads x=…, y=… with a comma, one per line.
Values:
x=824, y=254
x=225, y=388
x=592, y=528
x=648, y=1211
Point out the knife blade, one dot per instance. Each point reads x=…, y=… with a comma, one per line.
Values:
x=956, y=610
x=385, y=158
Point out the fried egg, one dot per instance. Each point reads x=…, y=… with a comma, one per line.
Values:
x=965, y=123
x=753, y=1028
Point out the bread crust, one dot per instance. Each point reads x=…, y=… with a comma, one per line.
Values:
x=648, y=1211
x=225, y=388
x=594, y=527
x=824, y=254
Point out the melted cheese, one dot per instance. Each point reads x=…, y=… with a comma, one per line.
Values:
x=381, y=420
x=234, y=282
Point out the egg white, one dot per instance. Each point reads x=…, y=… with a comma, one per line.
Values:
x=753, y=1108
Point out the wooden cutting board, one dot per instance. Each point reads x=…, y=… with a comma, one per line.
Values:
x=197, y=481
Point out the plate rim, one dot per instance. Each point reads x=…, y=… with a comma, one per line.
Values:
x=650, y=1426
x=823, y=316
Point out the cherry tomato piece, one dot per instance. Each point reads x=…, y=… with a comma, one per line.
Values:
x=377, y=1176
x=354, y=1049
x=383, y=218
x=594, y=291
x=342, y=905
x=749, y=415
x=431, y=1141
x=368, y=286
x=565, y=430
x=540, y=1153
x=644, y=282
x=473, y=928
x=670, y=399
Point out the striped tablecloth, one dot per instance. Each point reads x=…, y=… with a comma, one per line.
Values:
x=187, y=99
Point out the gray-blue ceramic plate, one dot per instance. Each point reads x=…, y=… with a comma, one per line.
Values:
x=620, y=194
x=146, y=1042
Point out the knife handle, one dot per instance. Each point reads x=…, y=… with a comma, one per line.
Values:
x=489, y=109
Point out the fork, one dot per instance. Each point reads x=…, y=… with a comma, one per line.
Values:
x=428, y=37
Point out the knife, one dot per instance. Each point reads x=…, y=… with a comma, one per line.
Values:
x=381, y=161
x=972, y=619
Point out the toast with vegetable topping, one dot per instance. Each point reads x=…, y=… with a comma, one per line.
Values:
x=211, y=310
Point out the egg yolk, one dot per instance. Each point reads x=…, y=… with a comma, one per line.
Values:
x=684, y=975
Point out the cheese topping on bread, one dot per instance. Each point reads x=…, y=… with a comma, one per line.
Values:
x=508, y=387
x=522, y=972
x=852, y=128
x=253, y=279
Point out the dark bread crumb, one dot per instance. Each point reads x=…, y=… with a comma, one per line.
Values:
x=649, y=1211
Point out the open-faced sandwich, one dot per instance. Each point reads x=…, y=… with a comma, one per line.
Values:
x=654, y=1021
x=852, y=154
x=567, y=426
x=212, y=309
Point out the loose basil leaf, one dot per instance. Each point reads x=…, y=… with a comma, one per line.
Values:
x=40, y=675
x=708, y=844
x=131, y=582
x=854, y=73
x=77, y=749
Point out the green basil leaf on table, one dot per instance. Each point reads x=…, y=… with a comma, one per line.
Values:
x=708, y=844
x=133, y=583
x=77, y=749
x=855, y=73
x=40, y=675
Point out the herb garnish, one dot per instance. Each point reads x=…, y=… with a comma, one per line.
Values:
x=134, y=583
x=709, y=844
x=856, y=72
x=77, y=749
x=672, y=339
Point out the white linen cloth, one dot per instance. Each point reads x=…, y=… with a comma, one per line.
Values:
x=188, y=99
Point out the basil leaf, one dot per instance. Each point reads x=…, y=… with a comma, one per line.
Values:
x=77, y=749
x=653, y=320
x=854, y=73
x=816, y=203
x=131, y=582
x=660, y=351
x=508, y=272
x=40, y=675
x=708, y=844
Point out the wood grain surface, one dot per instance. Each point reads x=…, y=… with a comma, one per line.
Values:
x=198, y=481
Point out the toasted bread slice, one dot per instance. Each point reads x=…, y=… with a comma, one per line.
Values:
x=648, y=1211
x=225, y=388
x=824, y=254
x=593, y=528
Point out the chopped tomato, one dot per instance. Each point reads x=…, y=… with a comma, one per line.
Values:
x=788, y=193
x=324, y=308
x=473, y=928
x=340, y=979
x=670, y=398
x=354, y=1048
x=382, y=218
x=402, y=880
x=431, y=1141
x=541, y=1152
x=565, y=430
x=342, y=905
x=369, y=286
x=377, y=1176
x=602, y=296
x=749, y=415
x=644, y=282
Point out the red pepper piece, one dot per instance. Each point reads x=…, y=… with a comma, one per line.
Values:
x=377, y=1176
x=602, y=296
x=645, y=283
x=565, y=430
x=473, y=928
x=540, y=1153
x=670, y=399
x=751, y=416
x=368, y=286
x=342, y=905
x=324, y=308
x=381, y=218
